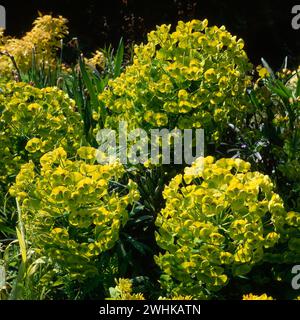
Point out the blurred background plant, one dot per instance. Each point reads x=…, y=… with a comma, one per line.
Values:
x=264, y=25
x=39, y=46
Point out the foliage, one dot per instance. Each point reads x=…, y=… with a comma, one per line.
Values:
x=218, y=230
x=87, y=80
x=22, y=273
x=271, y=137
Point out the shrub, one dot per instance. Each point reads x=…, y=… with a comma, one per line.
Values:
x=220, y=220
x=43, y=40
x=194, y=77
x=32, y=122
x=73, y=209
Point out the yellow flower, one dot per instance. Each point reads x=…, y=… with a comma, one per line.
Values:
x=33, y=145
x=87, y=153
x=209, y=74
x=97, y=60
x=262, y=72
x=43, y=40
x=251, y=296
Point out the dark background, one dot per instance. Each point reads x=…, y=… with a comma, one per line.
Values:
x=265, y=25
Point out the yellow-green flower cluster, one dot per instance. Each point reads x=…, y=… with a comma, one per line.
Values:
x=97, y=61
x=32, y=122
x=194, y=77
x=251, y=296
x=124, y=291
x=219, y=221
x=41, y=42
x=177, y=298
x=73, y=209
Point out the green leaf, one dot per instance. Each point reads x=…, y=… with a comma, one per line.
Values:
x=119, y=59
x=298, y=85
x=266, y=65
x=22, y=245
